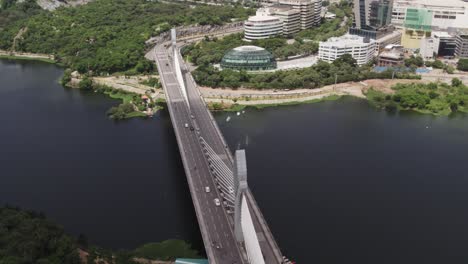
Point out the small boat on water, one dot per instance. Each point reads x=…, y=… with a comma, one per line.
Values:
x=228, y=118
x=238, y=113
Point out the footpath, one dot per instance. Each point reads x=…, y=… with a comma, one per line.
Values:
x=229, y=97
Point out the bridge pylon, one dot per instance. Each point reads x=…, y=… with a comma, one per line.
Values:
x=240, y=187
x=177, y=68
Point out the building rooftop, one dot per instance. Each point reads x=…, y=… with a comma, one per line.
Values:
x=386, y=37
x=347, y=40
x=441, y=34
x=248, y=48
x=442, y=3
x=280, y=7
x=262, y=18
x=295, y=1
x=391, y=54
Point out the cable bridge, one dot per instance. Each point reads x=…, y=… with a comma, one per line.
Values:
x=233, y=228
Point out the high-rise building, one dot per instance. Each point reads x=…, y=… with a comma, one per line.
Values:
x=462, y=45
x=290, y=17
x=372, y=18
x=262, y=26
x=310, y=11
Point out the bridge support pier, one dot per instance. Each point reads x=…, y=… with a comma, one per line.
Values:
x=240, y=187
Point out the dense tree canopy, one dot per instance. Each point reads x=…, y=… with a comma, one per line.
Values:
x=107, y=35
x=414, y=61
x=323, y=73
x=12, y=10
x=437, y=98
x=27, y=237
x=306, y=42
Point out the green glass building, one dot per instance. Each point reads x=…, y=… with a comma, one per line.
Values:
x=248, y=58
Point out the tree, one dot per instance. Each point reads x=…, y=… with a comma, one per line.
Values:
x=86, y=83
x=414, y=61
x=66, y=78
x=449, y=69
x=26, y=237
x=437, y=64
x=462, y=65
x=456, y=82
x=453, y=107
x=345, y=58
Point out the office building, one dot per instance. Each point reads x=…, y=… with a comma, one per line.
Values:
x=361, y=49
x=441, y=15
x=290, y=17
x=372, y=18
x=310, y=11
x=262, y=26
x=462, y=45
x=392, y=38
x=417, y=27
x=447, y=43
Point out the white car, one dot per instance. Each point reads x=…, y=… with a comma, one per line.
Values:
x=186, y=125
x=217, y=202
x=207, y=189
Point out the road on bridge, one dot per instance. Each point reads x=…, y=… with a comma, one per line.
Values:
x=220, y=243
x=216, y=225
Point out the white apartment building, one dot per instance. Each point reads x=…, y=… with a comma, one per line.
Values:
x=362, y=50
x=262, y=26
x=447, y=15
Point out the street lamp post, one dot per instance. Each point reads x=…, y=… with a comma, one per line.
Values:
x=336, y=81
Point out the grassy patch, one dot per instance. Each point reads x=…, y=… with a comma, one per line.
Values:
x=135, y=114
x=124, y=96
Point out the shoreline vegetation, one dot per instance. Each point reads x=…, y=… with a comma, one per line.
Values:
x=131, y=102
x=104, y=36
x=88, y=56
x=47, y=242
x=221, y=106
x=11, y=55
x=436, y=98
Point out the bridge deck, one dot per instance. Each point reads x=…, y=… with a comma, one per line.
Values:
x=215, y=224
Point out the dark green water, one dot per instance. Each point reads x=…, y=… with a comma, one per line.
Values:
x=339, y=182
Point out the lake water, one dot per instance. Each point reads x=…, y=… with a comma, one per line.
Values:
x=338, y=182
